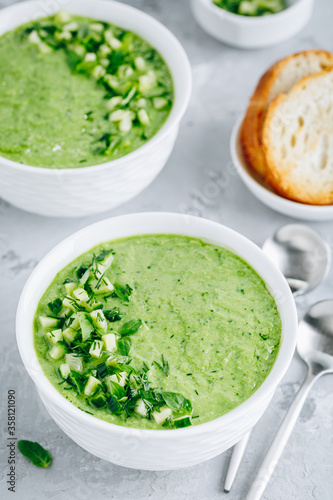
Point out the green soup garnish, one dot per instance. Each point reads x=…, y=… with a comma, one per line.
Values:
x=77, y=92
x=157, y=331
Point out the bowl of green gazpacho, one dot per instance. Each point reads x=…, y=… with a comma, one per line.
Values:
x=90, y=103
x=156, y=341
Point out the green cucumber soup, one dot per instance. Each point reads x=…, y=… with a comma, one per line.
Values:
x=157, y=331
x=76, y=92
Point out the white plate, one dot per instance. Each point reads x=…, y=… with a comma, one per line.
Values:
x=266, y=194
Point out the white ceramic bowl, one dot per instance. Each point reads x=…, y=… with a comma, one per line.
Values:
x=265, y=193
x=252, y=32
x=154, y=449
x=83, y=191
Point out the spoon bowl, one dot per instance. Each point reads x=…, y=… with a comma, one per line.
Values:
x=315, y=337
x=301, y=254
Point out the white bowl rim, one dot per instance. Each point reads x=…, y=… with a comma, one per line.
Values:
x=171, y=120
x=269, y=384
x=274, y=198
x=247, y=20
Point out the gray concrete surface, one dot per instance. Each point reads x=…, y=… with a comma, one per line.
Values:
x=223, y=80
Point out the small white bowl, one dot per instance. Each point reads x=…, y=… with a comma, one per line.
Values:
x=88, y=190
x=265, y=193
x=252, y=32
x=154, y=449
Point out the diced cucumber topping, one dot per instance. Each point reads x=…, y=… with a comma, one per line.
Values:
x=90, y=57
x=75, y=362
x=99, y=320
x=98, y=72
x=53, y=336
x=63, y=35
x=161, y=416
x=69, y=334
x=101, y=286
x=72, y=26
x=96, y=348
x=69, y=287
x=75, y=324
x=85, y=324
x=140, y=63
x=140, y=408
x=159, y=102
x=48, y=322
x=64, y=370
x=57, y=352
x=91, y=386
x=62, y=16
x=98, y=27
x=68, y=303
x=80, y=294
x=142, y=103
x=120, y=378
x=146, y=82
x=109, y=341
x=113, y=102
x=64, y=312
x=143, y=117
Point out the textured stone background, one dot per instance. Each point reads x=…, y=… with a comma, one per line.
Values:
x=223, y=80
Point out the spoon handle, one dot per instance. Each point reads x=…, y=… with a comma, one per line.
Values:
x=235, y=461
x=281, y=438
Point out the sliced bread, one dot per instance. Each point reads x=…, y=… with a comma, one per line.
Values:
x=298, y=141
x=280, y=78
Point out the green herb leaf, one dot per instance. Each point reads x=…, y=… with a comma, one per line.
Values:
x=55, y=306
x=113, y=315
x=35, y=452
x=103, y=255
x=123, y=292
x=164, y=367
x=124, y=346
x=80, y=271
x=130, y=327
x=177, y=402
x=116, y=390
x=86, y=325
x=98, y=402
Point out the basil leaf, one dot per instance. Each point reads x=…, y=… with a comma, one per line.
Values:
x=116, y=390
x=176, y=401
x=123, y=292
x=35, y=452
x=85, y=324
x=124, y=346
x=113, y=315
x=55, y=306
x=130, y=327
x=182, y=422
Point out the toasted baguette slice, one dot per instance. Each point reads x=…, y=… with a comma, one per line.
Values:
x=280, y=78
x=298, y=141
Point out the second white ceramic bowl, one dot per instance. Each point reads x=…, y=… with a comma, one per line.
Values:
x=154, y=449
x=252, y=32
x=265, y=193
x=84, y=191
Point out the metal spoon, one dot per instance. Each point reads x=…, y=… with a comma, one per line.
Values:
x=304, y=258
x=315, y=348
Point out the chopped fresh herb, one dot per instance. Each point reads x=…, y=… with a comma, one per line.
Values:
x=113, y=315
x=177, y=402
x=55, y=306
x=124, y=346
x=164, y=367
x=130, y=327
x=80, y=271
x=123, y=292
x=35, y=452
